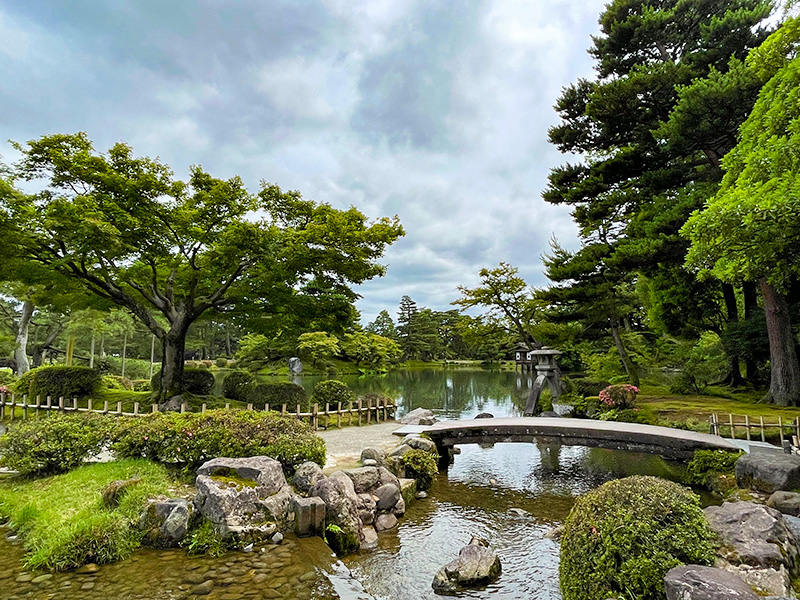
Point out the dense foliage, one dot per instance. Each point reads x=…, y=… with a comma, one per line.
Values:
x=331, y=392
x=621, y=539
x=422, y=466
x=58, y=381
x=54, y=443
x=190, y=439
x=707, y=463
x=238, y=385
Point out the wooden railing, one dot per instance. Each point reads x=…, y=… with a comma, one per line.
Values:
x=748, y=424
x=359, y=412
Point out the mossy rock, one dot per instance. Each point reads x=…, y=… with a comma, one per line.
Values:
x=341, y=542
x=621, y=539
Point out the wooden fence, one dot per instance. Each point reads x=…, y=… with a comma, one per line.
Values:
x=359, y=412
x=734, y=422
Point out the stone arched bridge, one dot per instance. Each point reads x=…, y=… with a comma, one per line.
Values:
x=671, y=443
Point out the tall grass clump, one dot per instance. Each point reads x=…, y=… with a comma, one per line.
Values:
x=63, y=521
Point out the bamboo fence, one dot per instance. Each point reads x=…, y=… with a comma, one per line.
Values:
x=747, y=424
x=359, y=412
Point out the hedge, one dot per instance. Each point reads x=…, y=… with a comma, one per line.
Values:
x=58, y=381
x=190, y=439
x=54, y=443
x=332, y=391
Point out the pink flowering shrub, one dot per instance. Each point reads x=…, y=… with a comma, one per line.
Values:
x=619, y=396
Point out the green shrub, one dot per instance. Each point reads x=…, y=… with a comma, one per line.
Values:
x=54, y=443
x=619, y=396
x=221, y=362
x=332, y=391
x=141, y=385
x=58, y=381
x=586, y=386
x=62, y=520
x=7, y=377
x=629, y=415
x=198, y=381
x=280, y=393
x=711, y=462
x=195, y=381
x=204, y=540
x=190, y=439
x=238, y=385
x=621, y=539
x=116, y=382
x=422, y=466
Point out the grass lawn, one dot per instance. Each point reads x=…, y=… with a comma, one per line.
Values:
x=63, y=521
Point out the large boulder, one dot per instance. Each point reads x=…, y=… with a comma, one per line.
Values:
x=695, y=582
x=376, y=454
x=787, y=503
x=419, y=416
x=245, y=498
x=768, y=471
x=476, y=565
x=266, y=472
x=752, y=534
x=306, y=475
x=420, y=443
x=363, y=478
x=341, y=513
x=166, y=522
x=309, y=516
x=387, y=497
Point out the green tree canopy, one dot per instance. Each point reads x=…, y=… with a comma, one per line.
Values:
x=133, y=234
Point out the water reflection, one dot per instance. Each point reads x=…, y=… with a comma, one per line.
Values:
x=451, y=393
x=474, y=499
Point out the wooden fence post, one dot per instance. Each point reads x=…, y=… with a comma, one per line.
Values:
x=314, y=411
x=360, y=404
x=136, y=409
x=733, y=430
x=13, y=406
x=780, y=429
x=747, y=426
x=763, y=435
x=339, y=415
x=24, y=407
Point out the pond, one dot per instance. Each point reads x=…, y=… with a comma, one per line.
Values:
x=452, y=393
x=472, y=498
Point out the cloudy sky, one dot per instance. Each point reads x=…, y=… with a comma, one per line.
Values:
x=436, y=111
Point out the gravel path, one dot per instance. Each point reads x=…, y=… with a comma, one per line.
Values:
x=345, y=445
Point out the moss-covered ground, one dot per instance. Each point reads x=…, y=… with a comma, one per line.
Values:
x=63, y=521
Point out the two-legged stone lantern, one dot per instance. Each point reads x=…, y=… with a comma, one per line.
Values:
x=547, y=373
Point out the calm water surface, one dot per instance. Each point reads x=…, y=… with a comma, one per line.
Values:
x=473, y=498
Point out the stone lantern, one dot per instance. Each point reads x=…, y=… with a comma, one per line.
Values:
x=547, y=373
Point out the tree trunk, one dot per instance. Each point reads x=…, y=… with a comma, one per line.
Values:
x=750, y=307
x=630, y=368
x=174, y=346
x=784, y=387
x=734, y=376
x=21, y=348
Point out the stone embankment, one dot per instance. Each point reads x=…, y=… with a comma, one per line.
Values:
x=249, y=500
x=758, y=546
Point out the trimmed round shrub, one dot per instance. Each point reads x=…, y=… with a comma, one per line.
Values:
x=422, y=466
x=195, y=381
x=190, y=439
x=198, y=381
x=58, y=381
x=621, y=539
x=54, y=443
x=332, y=391
x=238, y=385
x=280, y=393
x=221, y=362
